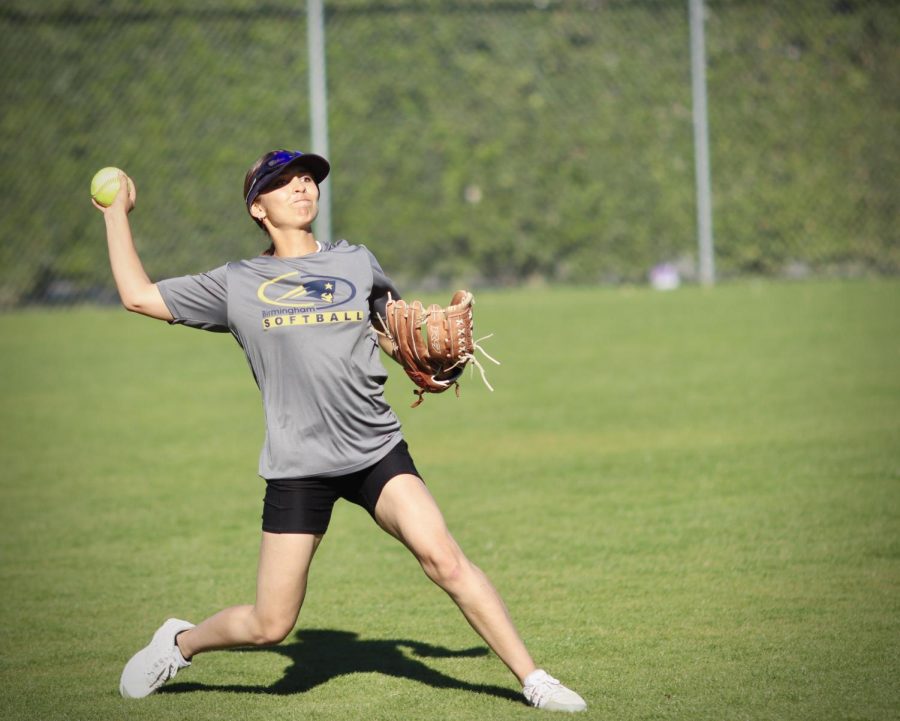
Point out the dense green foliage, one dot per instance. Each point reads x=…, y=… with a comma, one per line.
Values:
x=693, y=516
x=479, y=142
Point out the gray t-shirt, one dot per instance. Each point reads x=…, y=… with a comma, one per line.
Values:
x=304, y=325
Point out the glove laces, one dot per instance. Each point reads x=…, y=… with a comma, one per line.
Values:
x=470, y=358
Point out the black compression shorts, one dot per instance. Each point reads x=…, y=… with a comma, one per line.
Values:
x=304, y=505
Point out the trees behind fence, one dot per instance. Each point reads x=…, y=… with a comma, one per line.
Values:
x=478, y=142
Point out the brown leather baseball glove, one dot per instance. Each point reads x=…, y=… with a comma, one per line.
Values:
x=433, y=344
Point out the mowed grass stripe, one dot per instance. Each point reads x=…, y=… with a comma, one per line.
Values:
x=690, y=501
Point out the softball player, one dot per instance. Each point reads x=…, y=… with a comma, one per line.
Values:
x=303, y=314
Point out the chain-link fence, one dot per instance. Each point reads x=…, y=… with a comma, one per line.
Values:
x=477, y=142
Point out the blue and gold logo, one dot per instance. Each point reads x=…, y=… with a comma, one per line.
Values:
x=306, y=301
x=311, y=292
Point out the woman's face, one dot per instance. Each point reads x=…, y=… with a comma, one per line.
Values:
x=289, y=201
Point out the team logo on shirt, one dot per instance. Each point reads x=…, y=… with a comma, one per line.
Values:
x=310, y=300
x=309, y=292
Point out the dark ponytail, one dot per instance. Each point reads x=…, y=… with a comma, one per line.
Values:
x=248, y=179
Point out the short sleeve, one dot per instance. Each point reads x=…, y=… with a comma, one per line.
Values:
x=198, y=301
x=382, y=286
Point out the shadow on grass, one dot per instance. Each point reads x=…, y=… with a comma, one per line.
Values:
x=320, y=655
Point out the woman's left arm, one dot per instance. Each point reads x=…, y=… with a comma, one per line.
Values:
x=383, y=291
x=388, y=347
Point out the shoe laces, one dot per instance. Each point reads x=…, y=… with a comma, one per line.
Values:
x=539, y=692
x=164, y=667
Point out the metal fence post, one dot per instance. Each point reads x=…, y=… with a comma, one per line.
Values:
x=701, y=143
x=318, y=101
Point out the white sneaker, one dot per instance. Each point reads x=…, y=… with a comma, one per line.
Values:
x=156, y=663
x=543, y=691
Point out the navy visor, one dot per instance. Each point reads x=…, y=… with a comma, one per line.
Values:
x=272, y=168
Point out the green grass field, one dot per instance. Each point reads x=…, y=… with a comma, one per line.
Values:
x=689, y=500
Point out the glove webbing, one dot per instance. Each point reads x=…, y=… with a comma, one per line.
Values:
x=461, y=361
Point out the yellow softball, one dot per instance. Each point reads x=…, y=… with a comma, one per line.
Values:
x=105, y=185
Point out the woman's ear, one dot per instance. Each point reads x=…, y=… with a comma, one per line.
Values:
x=257, y=212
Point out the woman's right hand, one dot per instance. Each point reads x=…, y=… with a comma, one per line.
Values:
x=137, y=292
x=124, y=200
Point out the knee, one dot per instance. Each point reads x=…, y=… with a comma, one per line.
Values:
x=445, y=566
x=271, y=631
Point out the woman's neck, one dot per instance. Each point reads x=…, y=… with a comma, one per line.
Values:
x=293, y=243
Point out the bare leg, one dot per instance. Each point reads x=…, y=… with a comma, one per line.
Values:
x=284, y=560
x=408, y=512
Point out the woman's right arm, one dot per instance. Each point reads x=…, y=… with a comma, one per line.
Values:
x=137, y=292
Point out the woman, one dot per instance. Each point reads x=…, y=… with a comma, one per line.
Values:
x=303, y=313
